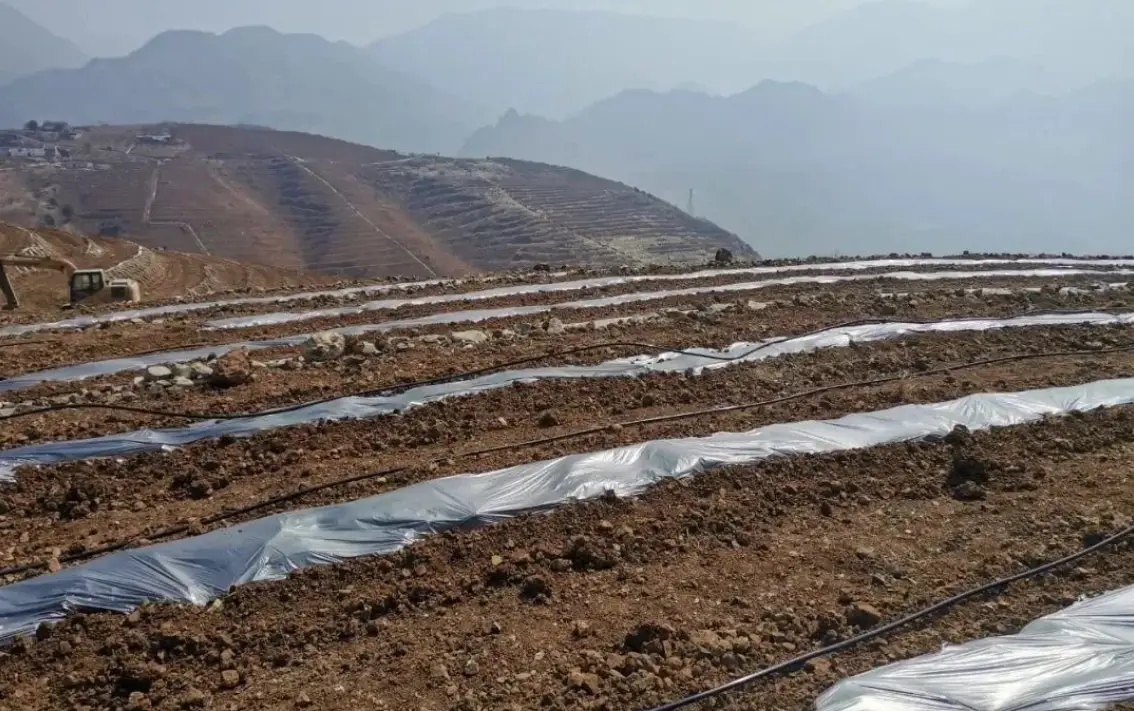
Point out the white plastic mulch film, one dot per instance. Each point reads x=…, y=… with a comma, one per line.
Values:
x=148, y=440
x=170, y=309
x=198, y=569
x=1079, y=658
x=117, y=365
x=158, y=311
x=388, y=304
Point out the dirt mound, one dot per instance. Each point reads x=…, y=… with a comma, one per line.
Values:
x=302, y=201
x=162, y=274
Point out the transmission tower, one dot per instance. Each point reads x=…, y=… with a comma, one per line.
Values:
x=689, y=206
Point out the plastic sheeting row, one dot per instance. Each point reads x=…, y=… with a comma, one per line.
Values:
x=93, y=369
x=196, y=570
x=1079, y=658
x=156, y=311
x=170, y=309
x=270, y=319
x=140, y=441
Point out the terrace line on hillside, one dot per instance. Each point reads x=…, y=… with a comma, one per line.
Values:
x=197, y=570
x=140, y=441
x=111, y=366
x=126, y=315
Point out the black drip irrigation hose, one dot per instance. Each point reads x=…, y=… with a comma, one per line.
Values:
x=464, y=375
x=15, y=344
x=455, y=377
x=299, y=493
x=796, y=663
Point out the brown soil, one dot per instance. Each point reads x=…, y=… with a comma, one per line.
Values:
x=121, y=339
x=161, y=274
x=296, y=200
x=277, y=388
x=614, y=604
x=76, y=506
x=624, y=604
x=474, y=284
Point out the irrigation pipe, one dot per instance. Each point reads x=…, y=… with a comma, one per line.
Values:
x=797, y=662
x=299, y=493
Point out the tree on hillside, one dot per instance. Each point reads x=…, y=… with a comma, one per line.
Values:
x=32, y=125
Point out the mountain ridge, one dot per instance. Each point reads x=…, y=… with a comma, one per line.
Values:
x=249, y=75
x=27, y=47
x=797, y=171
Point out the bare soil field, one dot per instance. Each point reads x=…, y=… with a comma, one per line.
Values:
x=120, y=339
x=615, y=603
x=160, y=274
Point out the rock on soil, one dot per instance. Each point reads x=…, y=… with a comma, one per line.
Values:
x=366, y=348
x=863, y=616
x=200, y=370
x=232, y=369
x=324, y=346
x=473, y=336
x=158, y=372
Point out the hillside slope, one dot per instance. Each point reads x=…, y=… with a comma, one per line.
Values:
x=162, y=274
x=26, y=47
x=303, y=201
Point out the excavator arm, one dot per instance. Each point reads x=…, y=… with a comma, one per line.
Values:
x=15, y=260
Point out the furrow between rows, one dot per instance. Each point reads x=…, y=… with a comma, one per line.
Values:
x=184, y=342
x=625, y=603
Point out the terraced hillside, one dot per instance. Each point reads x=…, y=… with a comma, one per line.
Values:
x=503, y=212
x=162, y=274
x=493, y=492
x=302, y=201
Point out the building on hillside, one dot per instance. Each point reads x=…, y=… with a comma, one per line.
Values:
x=27, y=152
x=154, y=138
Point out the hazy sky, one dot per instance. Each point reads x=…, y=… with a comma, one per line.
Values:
x=119, y=26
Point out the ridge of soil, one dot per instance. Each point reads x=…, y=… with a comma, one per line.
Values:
x=626, y=603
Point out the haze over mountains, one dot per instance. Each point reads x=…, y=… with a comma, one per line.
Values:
x=251, y=75
x=26, y=48
x=891, y=125
x=799, y=171
x=117, y=27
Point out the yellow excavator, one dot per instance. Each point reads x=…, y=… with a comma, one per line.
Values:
x=83, y=283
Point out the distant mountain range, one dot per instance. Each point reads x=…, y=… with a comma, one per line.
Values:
x=893, y=126
x=1077, y=41
x=797, y=171
x=553, y=63
x=26, y=48
x=251, y=75
x=463, y=70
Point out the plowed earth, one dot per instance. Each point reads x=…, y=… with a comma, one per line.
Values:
x=621, y=604
x=85, y=505
x=394, y=368
x=615, y=604
x=473, y=284
x=117, y=339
